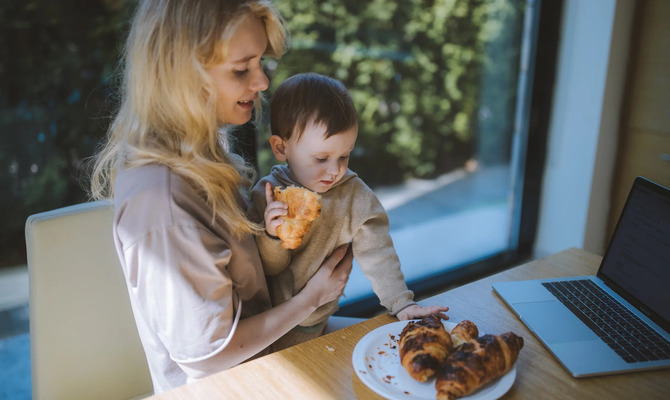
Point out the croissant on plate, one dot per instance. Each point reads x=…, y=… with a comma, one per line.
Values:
x=476, y=363
x=423, y=346
x=304, y=206
x=464, y=331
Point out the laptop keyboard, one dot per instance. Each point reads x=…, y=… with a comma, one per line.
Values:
x=623, y=331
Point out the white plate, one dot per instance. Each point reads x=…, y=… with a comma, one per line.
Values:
x=377, y=364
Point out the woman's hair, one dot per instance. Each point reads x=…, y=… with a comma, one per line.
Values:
x=308, y=97
x=167, y=111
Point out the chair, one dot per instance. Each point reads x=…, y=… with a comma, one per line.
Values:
x=83, y=337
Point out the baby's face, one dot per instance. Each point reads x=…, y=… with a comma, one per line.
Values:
x=318, y=162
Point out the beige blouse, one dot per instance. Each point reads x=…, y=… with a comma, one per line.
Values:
x=186, y=276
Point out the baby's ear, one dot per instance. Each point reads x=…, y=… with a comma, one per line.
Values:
x=278, y=148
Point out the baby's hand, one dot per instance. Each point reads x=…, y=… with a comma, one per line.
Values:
x=274, y=211
x=417, y=311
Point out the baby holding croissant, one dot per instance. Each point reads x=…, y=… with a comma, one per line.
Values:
x=314, y=129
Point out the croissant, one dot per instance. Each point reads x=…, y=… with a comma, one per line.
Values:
x=464, y=331
x=423, y=347
x=476, y=363
x=304, y=206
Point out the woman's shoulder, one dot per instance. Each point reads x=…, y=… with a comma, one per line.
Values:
x=157, y=196
x=141, y=178
x=153, y=182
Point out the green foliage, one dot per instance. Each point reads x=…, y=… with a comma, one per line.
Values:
x=415, y=71
x=58, y=58
x=428, y=93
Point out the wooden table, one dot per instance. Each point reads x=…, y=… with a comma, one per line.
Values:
x=322, y=368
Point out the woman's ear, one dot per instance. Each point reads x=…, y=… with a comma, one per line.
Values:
x=278, y=147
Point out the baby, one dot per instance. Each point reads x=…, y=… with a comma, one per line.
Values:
x=314, y=128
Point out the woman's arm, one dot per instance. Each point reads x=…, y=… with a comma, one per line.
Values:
x=257, y=332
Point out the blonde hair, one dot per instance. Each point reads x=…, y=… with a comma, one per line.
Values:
x=167, y=113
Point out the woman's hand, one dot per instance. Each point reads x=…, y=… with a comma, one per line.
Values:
x=258, y=331
x=417, y=311
x=329, y=280
x=274, y=211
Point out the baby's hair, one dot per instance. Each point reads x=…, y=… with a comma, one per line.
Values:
x=308, y=97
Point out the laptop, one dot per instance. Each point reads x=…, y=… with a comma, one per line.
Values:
x=629, y=330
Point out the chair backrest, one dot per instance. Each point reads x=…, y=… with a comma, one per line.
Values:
x=83, y=337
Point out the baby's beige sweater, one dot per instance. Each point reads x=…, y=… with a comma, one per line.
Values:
x=350, y=212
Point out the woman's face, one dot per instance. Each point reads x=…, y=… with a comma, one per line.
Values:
x=239, y=79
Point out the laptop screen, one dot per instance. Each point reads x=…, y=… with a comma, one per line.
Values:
x=637, y=262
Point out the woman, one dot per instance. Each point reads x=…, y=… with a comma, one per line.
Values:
x=192, y=267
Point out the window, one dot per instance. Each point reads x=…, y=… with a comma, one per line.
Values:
x=453, y=99
x=444, y=91
x=56, y=90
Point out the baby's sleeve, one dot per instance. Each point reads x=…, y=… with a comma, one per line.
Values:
x=373, y=249
x=275, y=258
